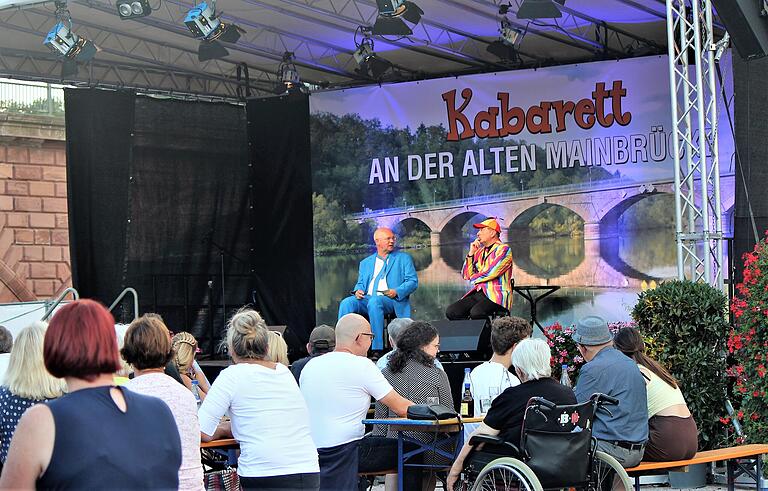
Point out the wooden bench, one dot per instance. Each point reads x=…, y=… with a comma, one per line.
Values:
x=730, y=455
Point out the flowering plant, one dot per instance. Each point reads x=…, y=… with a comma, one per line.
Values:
x=564, y=350
x=748, y=346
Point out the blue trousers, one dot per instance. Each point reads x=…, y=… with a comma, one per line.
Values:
x=374, y=308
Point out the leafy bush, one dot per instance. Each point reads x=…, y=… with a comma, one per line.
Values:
x=748, y=346
x=686, y=325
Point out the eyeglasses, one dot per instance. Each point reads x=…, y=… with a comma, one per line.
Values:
x=372, y=335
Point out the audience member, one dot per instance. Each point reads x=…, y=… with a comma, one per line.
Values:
x=97, y=435
x=6, y=343
x=673, y=434
x=491, y=378
x=269, y=416
x=623, y=431
x=338, y=388
x=412, y=372
x=123, y=375
x=277, y=350
x=148, y=348
x=26, y=382
x=531, y=361
x=184, y=350
x=170, y=368
x=394, y=329
x=322, y=339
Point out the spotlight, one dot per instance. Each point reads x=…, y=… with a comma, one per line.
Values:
x=393, y=15
x=540, y=9
x=288, y=75
x=205, y=25
x=68, y=45
x=370, y=65
x=132, y=9
x=506, y=47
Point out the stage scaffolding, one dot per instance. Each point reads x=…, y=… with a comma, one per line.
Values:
x=698, y=210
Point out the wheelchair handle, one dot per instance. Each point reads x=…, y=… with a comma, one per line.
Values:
x=540, y=401
x=602, y=399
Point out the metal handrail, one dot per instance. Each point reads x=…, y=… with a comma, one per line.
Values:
x=58, y=300
x=135, y=301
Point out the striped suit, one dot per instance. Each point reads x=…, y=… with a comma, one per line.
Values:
x=490, y=270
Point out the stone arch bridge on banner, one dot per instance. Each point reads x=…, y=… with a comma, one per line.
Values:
x=599, y=204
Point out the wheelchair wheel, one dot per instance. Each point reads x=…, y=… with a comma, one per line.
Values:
x=506, y=474
x=605, y=470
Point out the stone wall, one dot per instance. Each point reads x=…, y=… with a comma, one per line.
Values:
x=34, y=233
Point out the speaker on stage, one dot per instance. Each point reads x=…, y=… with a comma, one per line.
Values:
x=747, y=24
x=464, y=339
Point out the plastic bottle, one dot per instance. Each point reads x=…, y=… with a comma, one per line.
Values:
x=467, y=401
x=564, y=378
x=196, y=391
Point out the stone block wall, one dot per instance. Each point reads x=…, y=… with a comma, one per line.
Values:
x=34, y=233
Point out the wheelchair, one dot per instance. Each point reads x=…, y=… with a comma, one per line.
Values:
x=557, y=451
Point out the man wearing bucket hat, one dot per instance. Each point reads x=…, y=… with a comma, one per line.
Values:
x=488, y=266
x=622, y=433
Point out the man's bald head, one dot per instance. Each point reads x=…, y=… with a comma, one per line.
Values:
x=385, y=240
x=348, y=328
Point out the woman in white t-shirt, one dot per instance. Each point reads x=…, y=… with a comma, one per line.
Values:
x=270, y=419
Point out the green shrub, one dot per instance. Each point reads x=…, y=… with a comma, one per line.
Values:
x=687, y=328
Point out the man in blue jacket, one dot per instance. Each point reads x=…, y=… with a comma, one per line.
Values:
x=384, y=284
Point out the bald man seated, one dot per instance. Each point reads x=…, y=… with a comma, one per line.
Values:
x=337, y=388
x=385, y=282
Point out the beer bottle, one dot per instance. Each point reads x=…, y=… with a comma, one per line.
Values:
x=467, y=401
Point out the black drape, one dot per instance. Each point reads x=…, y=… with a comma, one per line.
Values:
x=751, y=121
x=99, y=125
x=165, y=194
x=278, y=130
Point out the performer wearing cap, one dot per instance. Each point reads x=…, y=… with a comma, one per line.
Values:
x=488, y=266
x=384, y=285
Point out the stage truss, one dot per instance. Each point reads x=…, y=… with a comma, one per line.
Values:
x=698, y=209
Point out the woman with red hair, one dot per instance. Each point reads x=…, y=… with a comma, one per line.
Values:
x=97, y=435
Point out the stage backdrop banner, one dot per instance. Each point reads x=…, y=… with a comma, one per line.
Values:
x=576, y=161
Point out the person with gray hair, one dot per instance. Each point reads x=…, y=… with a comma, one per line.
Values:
x=531, y=361
x=270, y=419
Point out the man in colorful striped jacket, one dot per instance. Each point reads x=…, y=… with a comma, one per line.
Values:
x=489, y=267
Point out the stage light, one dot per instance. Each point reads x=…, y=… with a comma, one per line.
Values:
x=506, y=47
x=132, y=9
x=540, y=9
x=204, y=24
x=68, y=45
x=370, y=65
x=288, y=75
x=393, y=15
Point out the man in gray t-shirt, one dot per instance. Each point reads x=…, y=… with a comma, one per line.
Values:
x=623, y=433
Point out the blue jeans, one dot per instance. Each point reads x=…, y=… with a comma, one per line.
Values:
x=372, y=307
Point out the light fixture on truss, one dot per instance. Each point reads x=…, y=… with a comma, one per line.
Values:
x=395, y=16
x=133, y=9
x=540, y=9
x=369, y=64
x=67, y=45
x=289, y=80
x=506, y=47
x=206, y=25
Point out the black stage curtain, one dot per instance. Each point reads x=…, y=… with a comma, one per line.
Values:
x=751, y=122
x=176, y=199
x=278, y=132
x=99, y=125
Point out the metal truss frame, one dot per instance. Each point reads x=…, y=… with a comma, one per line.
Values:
x=698, y=209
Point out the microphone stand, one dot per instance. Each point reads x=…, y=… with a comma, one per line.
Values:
x=222, y=252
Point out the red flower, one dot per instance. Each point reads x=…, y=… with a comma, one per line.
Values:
x=754, y=416
x=740, y=415
x=725, y=420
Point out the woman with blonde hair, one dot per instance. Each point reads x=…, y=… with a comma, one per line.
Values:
x=184, y=350
x=278, y=349
x=26, y=383
x=270, y=419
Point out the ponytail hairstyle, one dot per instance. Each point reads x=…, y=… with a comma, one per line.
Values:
x=247, y=335
x=629, y=341
x=410, y=346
